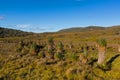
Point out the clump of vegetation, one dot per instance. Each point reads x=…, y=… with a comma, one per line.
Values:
x=102, y=44
x=72, y=56
x=20, y=46
x=59, y=56
x=60, y=51
x=34, y=49
x=41, y=54
x=60, y=48
x=51, y=48
x=85, y=49
x=65, y=62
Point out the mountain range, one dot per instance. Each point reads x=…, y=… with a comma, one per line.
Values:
x=5, y=32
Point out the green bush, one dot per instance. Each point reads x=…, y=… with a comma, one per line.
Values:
x=41, y=54
x=20, y=46
x=34, y=49
x=59, y=56
x=51, y=48
x=73, y=56
x=102, y=42
x=25, y=50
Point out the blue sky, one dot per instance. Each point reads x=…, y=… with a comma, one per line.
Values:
x=53, y=15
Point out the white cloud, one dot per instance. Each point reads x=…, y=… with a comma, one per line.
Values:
x=34, y=28
x=2, y=17
x=23, y=25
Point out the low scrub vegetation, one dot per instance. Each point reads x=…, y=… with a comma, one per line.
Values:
x=52, y=57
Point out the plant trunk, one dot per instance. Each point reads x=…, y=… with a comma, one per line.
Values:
x=101, y=55
x=119, y=48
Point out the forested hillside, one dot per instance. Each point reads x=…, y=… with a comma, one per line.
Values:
x=5, y=32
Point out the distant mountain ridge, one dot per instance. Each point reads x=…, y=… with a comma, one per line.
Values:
x=5, y=32
x=91, y=28
x=82, y=29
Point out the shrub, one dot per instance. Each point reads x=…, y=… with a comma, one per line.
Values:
x=41, y=54
x=51, y=47
x=20, y=46
x=73, y=56
x=59, y=56
x=60, y=48
x=85, y=50
x=34, y=48
x=25, y=50
x=101, y=50
x=102, y=42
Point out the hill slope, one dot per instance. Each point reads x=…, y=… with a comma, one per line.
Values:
x=5, y=32
x=91, y=28
x=82, y=29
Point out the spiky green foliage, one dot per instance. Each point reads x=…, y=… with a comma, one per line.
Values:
x=41, y=54
x=73, y=56
x=34, y=48
x=50, y=41
x=85, y=50
x=102, y=42
x=60, y=45
x=60, y=48
x=59, y=56
x=20, y=46
x=51, y=47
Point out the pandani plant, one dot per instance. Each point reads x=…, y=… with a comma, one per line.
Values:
x=51, y=48
x=101, y=45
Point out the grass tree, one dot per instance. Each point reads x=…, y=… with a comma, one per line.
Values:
x=118, y=46
x=73, y=56
x=51, y=47
x=70, y=45
x=34, y=48
x=101, y=44
x=85, y=49
x=41, y=54
x=20, y=46
x=60, y=51
x=60, y=48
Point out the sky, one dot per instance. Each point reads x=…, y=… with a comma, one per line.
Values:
x=53, y=15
